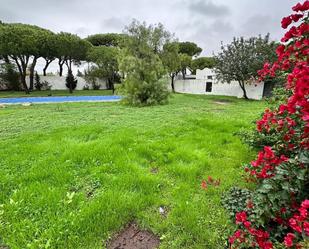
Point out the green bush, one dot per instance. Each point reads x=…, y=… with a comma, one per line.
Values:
x=71, y=82
x=144, y=83
x=236, y=200
x=9, y=77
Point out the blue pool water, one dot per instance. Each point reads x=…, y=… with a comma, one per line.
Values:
x=58, y=99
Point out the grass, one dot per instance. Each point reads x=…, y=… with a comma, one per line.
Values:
x=73, y=174
x=16, y=94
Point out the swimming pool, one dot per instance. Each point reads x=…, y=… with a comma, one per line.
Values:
x=60, y=99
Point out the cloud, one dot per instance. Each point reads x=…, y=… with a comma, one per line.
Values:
x=260, y=24
x=205, y=22
x=208, y=8
x=115, y=23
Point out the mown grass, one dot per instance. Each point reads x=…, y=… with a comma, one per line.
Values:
x=15, y=94
x=71, y=175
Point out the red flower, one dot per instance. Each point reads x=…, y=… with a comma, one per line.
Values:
x=241, y=217
x=288, y=240
x=286, y=21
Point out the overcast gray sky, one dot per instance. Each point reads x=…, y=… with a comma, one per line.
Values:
x=206, y=22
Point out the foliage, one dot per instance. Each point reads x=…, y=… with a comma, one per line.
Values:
x=189, y=48
x=106, y=64
x=91, y=78
x=202, y=62
x=21, y=42
x=71, y=82
x=108, y=40
x=143, y=84
x=171, y=60
x=146, y=37
x=280, y=203
x=49, y=49
x=241, y=60
x=142, y=66
x=71, y=49
x=236, y=200
x=9, y=76
x=37, y=84
x=41, y=85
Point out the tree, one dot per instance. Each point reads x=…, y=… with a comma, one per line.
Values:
x=71, y=82
x=202, y=62
x=49, y=49
x=188, y=50
x=44, y=39
x=142, y=66
x=106, y=63
x=241, y=59
x=19, y=42
x=108, y=40
x=71, y=49
x=9, y=76
x=171, y=60
x=148, y=36
x=185, y=63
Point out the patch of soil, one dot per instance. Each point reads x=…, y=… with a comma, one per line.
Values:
x=154, y=170
x=132, y=237
x=223, y=101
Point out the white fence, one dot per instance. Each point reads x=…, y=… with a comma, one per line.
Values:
x=58, y=83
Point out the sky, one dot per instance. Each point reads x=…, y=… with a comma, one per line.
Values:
x=205, y=22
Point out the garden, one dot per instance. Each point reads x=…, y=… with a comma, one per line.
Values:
x=158, y=169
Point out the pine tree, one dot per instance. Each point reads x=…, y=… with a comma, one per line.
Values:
x=71, y=82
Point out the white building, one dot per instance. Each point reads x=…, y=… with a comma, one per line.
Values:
x=205, y=82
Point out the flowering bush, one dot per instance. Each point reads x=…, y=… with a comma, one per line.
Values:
x=279, y=210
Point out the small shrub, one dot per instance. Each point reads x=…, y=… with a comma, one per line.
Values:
x=86, y=87
x=91, y=77
x=71, y=82
x=45, y=85
x=144, y=93
x=37, y=84
x=9, y=77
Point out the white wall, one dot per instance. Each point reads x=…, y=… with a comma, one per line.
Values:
x=58, y=83
x=198, y=86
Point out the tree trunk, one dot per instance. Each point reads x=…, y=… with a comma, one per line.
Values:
x=23, y=82
x=60, y=63
x=46, y=66
x=243, y=87
x=22, y=68
x=172, y=83
x=68, y=63
x=31, y=76
x=183, y=71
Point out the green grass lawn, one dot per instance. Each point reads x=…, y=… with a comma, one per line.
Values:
x=73, y=174
x=12, y=94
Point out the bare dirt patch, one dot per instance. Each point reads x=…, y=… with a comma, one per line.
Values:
x=154, y=170
x=222, y=102
x=132, y=237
